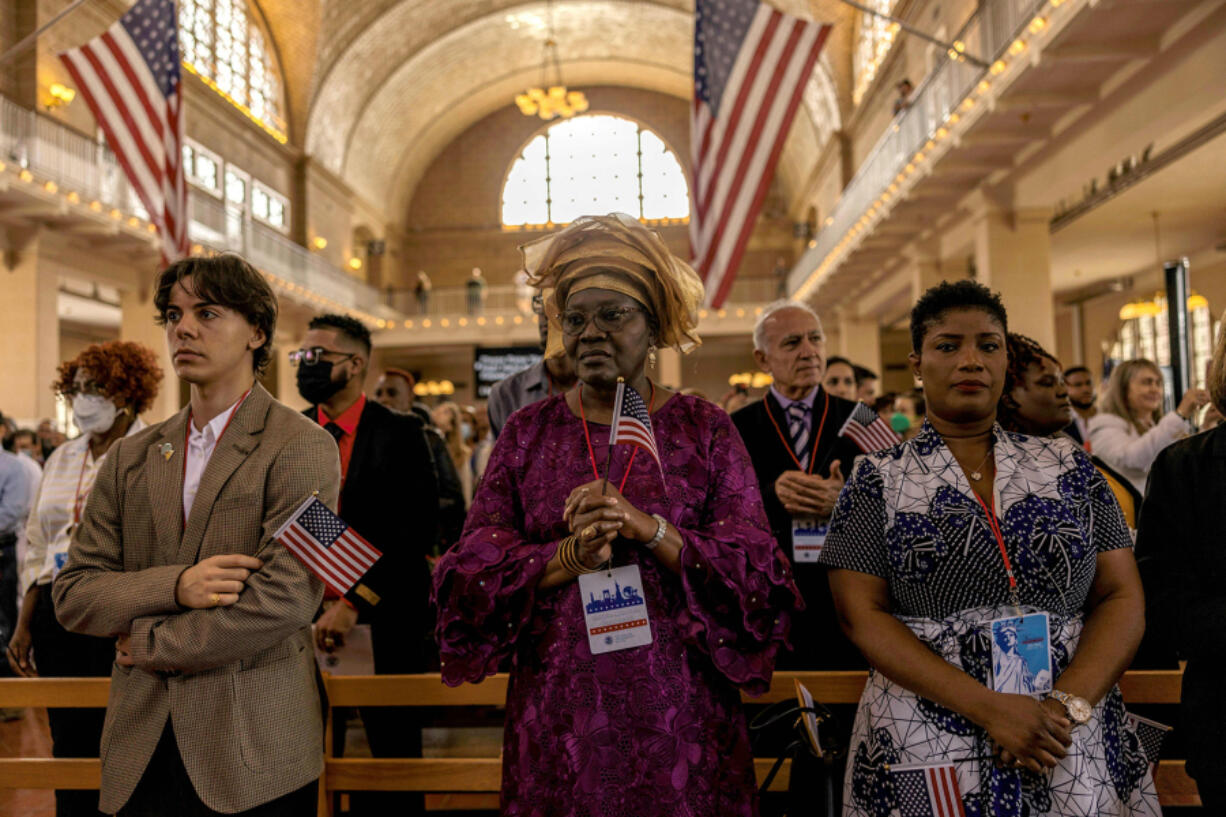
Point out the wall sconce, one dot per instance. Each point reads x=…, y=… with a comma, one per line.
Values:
x=61, y=95
x=434, y=388
x=751, y=380
x=355, y=263
x=319, y=242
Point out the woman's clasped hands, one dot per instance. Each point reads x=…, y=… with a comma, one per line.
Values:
x=1030, y=734
x=596, y=519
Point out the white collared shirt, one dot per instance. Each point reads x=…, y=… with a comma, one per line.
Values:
x=200, y=446
x=68, y=478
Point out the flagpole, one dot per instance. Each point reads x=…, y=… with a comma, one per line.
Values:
x=617, y=407
x=27, y=40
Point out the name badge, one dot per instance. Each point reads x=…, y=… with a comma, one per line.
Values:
x=614, y=609
x=808, y=538
x=1021, y=655
x=58, y=560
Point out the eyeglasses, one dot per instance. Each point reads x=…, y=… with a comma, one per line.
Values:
x=607, y=319
x=309, y=357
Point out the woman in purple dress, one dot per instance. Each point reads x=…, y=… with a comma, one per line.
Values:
x=651, y=729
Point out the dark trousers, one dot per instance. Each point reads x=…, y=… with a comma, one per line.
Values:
x=1212, y=795
x=165, y=790
x=74, y=732
x=391, y=731
x=8, y=592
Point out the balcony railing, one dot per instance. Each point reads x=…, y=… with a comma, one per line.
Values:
x=507, y=299
x=79, y=164
x=987, y=34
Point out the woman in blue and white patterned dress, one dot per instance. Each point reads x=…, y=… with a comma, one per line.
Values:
x=918, y=572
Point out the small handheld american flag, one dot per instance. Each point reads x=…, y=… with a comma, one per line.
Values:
x=1151, y=735
x=632, y=423
x=328, y=547
x=866, y=429
x=927, y=790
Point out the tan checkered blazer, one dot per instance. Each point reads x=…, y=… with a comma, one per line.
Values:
x=238, y=682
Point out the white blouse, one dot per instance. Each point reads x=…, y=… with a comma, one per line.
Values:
x=68, y=477
x=1131, y=454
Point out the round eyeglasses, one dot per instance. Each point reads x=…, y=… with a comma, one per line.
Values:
x=607, y=319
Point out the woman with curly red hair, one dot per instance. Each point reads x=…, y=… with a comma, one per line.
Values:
x=109, y=385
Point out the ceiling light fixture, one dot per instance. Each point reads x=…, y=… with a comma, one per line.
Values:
x=551, y=98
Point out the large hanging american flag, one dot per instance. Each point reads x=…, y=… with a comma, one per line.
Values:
x=927, y=790
x=751, y=63
x=328, y=547
x=130, y=77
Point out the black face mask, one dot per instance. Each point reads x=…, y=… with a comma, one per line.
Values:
x=315, y=383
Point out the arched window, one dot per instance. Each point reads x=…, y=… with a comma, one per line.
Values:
x=874, y=37
x=592, y=165
x=225, y=43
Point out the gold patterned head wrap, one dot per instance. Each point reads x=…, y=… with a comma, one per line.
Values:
x=617, y=253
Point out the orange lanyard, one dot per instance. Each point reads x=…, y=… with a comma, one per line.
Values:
x=591, y=452
x=787, y=445
x=990, y=510
x=187, y=439
x=78, y=502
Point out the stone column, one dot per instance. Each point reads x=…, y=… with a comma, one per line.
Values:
x=137, y=324
x=860, y=341
x=1013, y=257
x=667, y=371
x=29, y=329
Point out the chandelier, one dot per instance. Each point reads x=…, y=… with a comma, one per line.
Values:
x=550, y=98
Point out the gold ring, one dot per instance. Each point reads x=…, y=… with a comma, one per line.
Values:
x=215, y=598
x=329, y=642
x=589, y=532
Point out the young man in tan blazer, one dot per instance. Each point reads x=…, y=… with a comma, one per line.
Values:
x=214, y=706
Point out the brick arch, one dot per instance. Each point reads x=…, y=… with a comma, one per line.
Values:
x=420, y=73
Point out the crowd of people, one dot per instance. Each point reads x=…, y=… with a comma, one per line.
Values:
x=982, y=568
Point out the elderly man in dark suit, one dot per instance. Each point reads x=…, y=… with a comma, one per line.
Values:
x=793, y=439
x=214, y=703
x=390, y=496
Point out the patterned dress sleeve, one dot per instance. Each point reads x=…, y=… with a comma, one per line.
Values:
x=738, y=593
x=857, y=527
x=485, y=586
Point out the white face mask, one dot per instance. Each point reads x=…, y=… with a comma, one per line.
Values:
x=93, y=413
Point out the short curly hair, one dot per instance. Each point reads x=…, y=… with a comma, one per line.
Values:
x=1023, y=353
x=122, y=369
x=947, y=296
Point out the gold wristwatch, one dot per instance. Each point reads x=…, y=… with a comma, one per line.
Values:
x=1078, y=709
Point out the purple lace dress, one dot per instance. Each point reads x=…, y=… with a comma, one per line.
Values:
x=652, y=730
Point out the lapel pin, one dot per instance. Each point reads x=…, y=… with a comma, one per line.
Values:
x=166, y=450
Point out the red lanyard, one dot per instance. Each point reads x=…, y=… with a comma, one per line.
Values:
x=990, y=510
x=816, y=437
x=187, y=439
x=78, y=500
x=592, y=453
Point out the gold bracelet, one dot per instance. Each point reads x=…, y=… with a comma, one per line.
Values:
x=568, y=557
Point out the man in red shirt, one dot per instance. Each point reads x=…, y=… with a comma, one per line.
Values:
x=389, y=495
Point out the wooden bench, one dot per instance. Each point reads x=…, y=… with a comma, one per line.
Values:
x=473, y=783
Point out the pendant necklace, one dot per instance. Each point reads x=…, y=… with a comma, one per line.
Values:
x=977, y=473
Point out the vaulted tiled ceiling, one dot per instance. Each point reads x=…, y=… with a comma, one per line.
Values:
x=396, y=80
